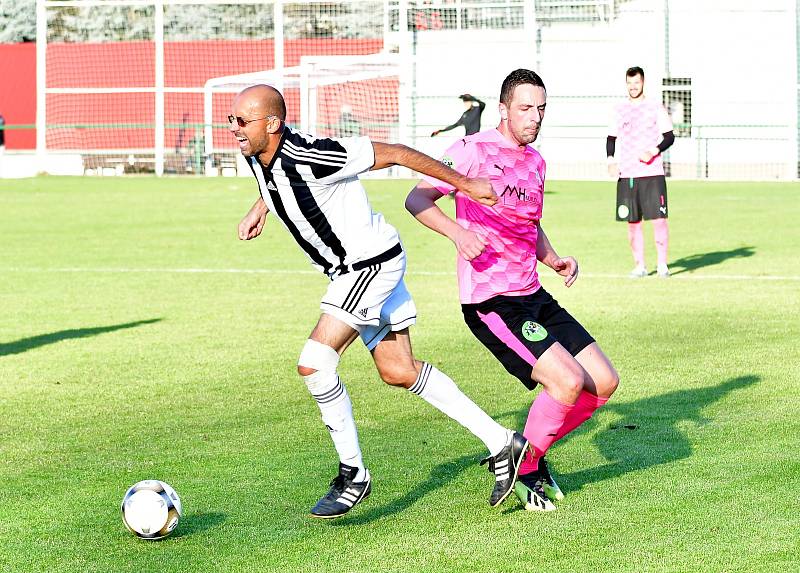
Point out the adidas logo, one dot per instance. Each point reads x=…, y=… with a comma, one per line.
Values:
x=271, y=186
x=363, y=313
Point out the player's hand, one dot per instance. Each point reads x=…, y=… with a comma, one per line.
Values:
x=469, y=244
x=480, y=189
x=646, y=156
x=613, y=170
x=251, y=226
x=567, y=267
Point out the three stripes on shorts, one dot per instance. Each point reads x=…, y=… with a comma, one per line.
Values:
x=359, y=288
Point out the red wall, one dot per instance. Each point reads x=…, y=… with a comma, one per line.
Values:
x=130, y=64
x=18, y=93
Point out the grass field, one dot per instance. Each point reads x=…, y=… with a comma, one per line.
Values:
x=140, y=339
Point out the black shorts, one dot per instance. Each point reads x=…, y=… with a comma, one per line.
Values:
x=641, y=197
x=519, y=329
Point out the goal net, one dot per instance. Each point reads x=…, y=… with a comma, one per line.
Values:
x=125, y=81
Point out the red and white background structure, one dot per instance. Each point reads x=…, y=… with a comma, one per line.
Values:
x=121, y=86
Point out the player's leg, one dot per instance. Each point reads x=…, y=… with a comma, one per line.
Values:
x=318, y=365
x=561, y=378
x=661, y=235
x=507, y=327
x=390, y=345
x=564, y=380
x=397, y=366
x=629, y=210
x=636, y=241
x=600, y=382
x=654, y=208
x=600, y=379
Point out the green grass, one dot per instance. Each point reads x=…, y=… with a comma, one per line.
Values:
x=116, y=367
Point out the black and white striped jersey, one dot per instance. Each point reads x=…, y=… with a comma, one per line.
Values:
x=312, y=186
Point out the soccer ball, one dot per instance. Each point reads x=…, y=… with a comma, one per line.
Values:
x=151, y=509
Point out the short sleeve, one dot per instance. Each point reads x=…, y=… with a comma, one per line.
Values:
x=460, y=157
x=333, y=159
x=664, y=121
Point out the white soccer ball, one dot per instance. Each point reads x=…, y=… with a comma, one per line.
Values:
x=151, y=509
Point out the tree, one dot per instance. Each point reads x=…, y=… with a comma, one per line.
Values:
x=17, y=21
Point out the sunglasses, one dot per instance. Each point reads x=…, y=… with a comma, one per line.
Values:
x=242, y=122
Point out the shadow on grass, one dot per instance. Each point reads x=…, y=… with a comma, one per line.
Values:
x=25, y=344
x=199, y=522
x=646, y=433
x=693, y=262
x=440, y=475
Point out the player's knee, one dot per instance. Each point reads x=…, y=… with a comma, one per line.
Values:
x=305, y=370
x=396, y=375
x=609, y=383
x=317, y=357
x=571, y=382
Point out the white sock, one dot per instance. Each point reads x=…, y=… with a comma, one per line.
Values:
x=441, y=392
x=337, y=414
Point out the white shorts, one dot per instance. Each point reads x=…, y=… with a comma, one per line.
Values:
x=374, y=301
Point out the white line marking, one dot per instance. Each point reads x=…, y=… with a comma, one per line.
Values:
x=675, y=277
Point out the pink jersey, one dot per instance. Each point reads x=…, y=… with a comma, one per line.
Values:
x=508, y=264
x=638, y=127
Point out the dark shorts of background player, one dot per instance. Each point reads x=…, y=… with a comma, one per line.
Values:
x=519, y=329
x=641, y=197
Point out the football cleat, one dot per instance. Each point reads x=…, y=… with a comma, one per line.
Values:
x=343, y=495
x=505, y=467
x=549, y=485
x=530, y=491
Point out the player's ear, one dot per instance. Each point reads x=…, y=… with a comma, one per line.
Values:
x=273, y=124
x=503, y=111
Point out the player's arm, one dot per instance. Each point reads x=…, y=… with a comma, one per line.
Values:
x=611, y=144
x=449, y=127
x=421, y=203
x=388, y=154
x=252, y=224
x=667, y=139
x=667, y=136
x=567, y=267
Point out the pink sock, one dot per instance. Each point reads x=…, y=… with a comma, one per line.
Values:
x=585, y=406
x=661, y=234
x=545, y=418
x=636, y=240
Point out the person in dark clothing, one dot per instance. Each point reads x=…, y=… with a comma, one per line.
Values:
x=470, y=119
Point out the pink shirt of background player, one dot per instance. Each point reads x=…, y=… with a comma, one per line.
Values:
x=638, y=127
x=508, y=264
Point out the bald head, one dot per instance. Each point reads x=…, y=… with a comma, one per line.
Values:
x=261, y=100
x=257, y=120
